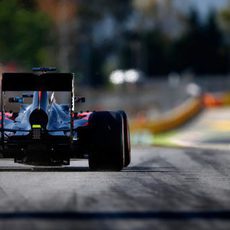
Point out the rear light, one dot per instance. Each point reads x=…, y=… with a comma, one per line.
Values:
x=36, y=132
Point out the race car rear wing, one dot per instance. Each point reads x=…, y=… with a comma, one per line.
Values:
x=33, y=82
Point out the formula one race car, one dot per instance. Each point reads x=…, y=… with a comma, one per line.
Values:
x=44, y=132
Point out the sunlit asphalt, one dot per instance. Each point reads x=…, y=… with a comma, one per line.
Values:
x=210, y=130
x=162, y=189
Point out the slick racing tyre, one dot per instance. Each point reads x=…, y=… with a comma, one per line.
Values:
x=127, y=145
x=107, y=149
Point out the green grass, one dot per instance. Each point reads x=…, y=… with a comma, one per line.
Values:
x=148, y=138
x=164, y=139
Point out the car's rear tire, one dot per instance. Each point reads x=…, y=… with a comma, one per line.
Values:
x=127, y=144
x=107, y=149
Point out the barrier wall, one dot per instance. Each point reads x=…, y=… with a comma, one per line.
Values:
x=170, y=120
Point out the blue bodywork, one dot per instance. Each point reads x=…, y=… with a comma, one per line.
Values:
x=58, y=117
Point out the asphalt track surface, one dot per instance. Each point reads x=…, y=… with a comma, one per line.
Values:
x=162, y=189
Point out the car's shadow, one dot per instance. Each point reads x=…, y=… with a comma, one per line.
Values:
x=8, y=165
x=43, y=169
x=80, y=169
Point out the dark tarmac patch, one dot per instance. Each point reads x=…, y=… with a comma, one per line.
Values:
x=165, y=215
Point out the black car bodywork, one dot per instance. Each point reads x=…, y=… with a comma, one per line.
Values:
x=47, y=133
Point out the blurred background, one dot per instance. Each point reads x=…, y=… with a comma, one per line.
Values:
x=148, y=57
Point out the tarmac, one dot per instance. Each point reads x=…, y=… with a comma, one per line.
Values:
x=210, y=130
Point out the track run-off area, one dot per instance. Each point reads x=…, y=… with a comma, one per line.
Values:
x=183, y=187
